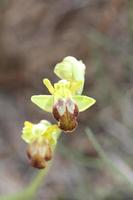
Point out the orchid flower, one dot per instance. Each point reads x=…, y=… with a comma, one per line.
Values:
x=41, y=138
x=65, y=101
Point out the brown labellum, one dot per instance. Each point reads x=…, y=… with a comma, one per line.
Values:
x=66, y=112
x=39, y=152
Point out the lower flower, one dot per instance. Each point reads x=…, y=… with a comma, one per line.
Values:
x=41, y=139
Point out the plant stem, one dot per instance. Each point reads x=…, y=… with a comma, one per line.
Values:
x=30, y=192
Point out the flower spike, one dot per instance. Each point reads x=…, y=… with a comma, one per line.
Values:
x=64, y=102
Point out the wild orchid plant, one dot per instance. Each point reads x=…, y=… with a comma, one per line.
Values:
x=64, y=102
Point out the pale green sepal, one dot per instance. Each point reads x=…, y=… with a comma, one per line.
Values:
x=45, y=102
x=83, y=102
x=71, y=69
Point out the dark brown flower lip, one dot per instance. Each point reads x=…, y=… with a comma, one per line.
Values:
x=68, y=129
x=66, y=113
x=39, y=153
x=37, y=162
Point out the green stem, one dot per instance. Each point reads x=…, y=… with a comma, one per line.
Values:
x=36, y=183
x=30, y=192
x=105, y=157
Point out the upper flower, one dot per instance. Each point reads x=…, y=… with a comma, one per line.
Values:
x=63, y=102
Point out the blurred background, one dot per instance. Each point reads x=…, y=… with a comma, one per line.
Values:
x=34, y=36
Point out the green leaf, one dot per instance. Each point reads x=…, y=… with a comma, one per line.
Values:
x=45, y=102
x=83, y=102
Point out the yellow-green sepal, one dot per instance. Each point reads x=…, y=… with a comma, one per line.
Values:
x=27, y=132
x=52, y=134
x=71, y=69
x=83, y=102
x=45, y=102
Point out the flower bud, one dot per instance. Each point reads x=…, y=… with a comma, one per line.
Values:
x=66, y=112
x=39, y=152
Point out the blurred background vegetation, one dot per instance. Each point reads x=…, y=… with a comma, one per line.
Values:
x=34, y=36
